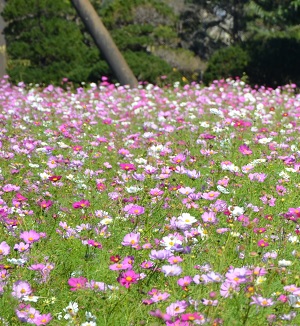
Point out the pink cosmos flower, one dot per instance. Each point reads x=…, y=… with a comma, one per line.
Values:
x=157, y=313
x=147, y=264
x=180, y=158
x=20, y=197
x=43, y=319
x=171, y=270
x=21, y=247
x=94, y=244
x=281, y=190
x=295, y=212
x=131, y=239
x=136, y=210
x=20, y=289
x=120, y=266
x=208, y=302
x=260, y=301
x=158, y=296
x=174, y=260
x=268, y=200
x=245, y=150
x=127, y=278
x=101, y=186
x=30, y=236
x=260, y=177
x=127, y=166
x=96, y=286
x=176, y=308
x=190, y=317
x=262, y=243
x=4, y=249
x=210, y=195
x=209, y=217
x=77, y=283
x=46, y=203
x=81, y=204
x=228, y=289
x=184, y=281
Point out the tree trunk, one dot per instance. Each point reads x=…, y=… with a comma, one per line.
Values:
x=2, y=42
x=104, y=42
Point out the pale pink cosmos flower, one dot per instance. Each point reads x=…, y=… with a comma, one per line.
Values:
x=176, y=308
x=260, y=177
x=209, y=217
x=184, y=281
x=4, y=249
x=210, y=195
x=20, y=289
x=260, y=301
x=158, y=296
x=171, y=270
x=30, y=236
x=120, y=266
x=131, y=239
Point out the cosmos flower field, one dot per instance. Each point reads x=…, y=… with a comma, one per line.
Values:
x=149, y=206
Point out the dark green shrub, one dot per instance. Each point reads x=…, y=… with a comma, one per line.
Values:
x=227, y=62
x=273, y=61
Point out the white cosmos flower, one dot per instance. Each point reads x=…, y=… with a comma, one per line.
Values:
x=31, y=298
x=44, y=176
x=236, y=210
x=223, y=190
x=187, y=218
x=106, y=221
x=133, y=189
x=72, y=308
x=170, y=241
x=284, y=263
x=265, y=140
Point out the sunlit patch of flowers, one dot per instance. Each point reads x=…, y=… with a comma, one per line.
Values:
x=133, y=206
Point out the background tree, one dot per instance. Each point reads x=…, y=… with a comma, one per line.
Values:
x=2, y=42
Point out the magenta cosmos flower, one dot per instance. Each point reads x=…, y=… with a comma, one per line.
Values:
x=81, y=204
x=134, y=209
x=127, y=278
x=77, y=283
x=46, y=203
x=245, y=150
x=127, y=166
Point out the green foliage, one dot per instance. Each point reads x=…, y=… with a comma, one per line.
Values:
x=274, y=61
x=270, y=61
x=149, y=67
x=227, y=62
x=273, y=15
x=45, y=35
x=46, y=41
